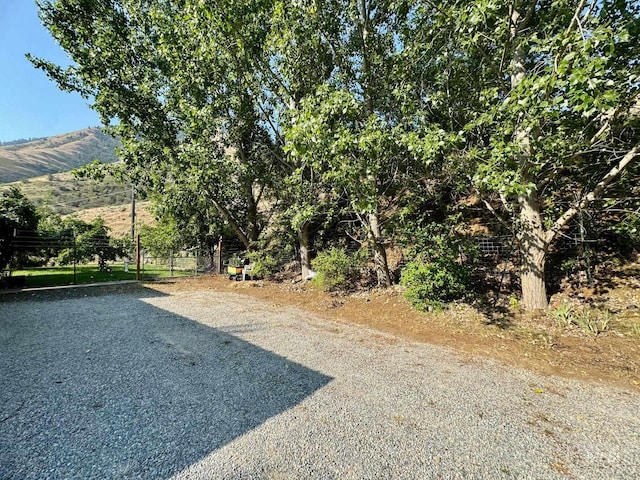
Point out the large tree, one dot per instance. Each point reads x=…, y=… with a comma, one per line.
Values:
x=18, y=217
x=544, y=94
x=249, y=103
x=345, y=129
x=173, y=83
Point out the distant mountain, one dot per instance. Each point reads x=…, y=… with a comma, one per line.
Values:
x=23, y=160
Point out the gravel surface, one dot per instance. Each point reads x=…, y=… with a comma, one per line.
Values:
x=194, y=385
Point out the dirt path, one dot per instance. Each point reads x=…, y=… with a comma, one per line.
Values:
x=534, y=343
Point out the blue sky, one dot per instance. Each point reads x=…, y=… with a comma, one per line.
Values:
x=30, y=104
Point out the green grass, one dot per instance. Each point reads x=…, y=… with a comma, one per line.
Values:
x=54, y=276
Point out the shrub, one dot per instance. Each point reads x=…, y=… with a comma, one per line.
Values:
x=592, y=320
x=264, y=265
x=336, y=269
x=433, y=284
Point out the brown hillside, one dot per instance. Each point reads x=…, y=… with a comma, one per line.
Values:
x=55, y=154
x=118, y=217
x=66, y=194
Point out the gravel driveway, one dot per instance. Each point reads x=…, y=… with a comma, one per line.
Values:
x=138, y=384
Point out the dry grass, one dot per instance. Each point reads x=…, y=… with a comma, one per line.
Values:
x=66, y=194
x=55, y=154
x=118, y=217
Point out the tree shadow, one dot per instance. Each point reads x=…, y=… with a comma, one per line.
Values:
x=494, y=311
x=112, y=387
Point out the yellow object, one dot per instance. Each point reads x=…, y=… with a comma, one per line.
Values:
x=234, y=270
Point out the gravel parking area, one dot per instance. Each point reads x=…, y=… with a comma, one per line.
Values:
x=133, y=383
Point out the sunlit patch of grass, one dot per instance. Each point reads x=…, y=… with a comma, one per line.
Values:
x=54, y=276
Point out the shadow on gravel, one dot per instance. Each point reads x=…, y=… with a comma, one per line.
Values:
x=111, y=387
x=78, y=291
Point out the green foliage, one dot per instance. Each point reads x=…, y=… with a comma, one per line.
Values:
x=236, y=260
x=563, y=315
x=230, y=111
x=336, y=269
x=264, y=264
x=441, y=265
x=625, y=234
x=17, y=214
x=434, y=284
x=87, y=241
x=593, y=321
x=123, y=246
x=162, y=239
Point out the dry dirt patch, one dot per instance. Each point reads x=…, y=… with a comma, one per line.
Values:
x=532, y=342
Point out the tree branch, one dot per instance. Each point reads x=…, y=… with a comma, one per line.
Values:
x=595, y=194
x=232, y=222
x=495, y=214
x=576, y=16
x=611, y=115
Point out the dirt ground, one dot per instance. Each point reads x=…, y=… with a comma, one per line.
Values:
x=534, y=342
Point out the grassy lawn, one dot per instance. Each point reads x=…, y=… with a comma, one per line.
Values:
x=51, y=276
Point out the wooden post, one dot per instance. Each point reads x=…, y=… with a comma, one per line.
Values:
x=75, y=260
x=138, y=257
x=133, y=213
x=220, y=255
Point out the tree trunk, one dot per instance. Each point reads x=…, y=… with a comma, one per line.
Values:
x=252, y=216
x=533, y=251
x=232, y=221
x=531, y=233
x=304, y=240
x=253, y=230
x=379, y=251
x=375, y=234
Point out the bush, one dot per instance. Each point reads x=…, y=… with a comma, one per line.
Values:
x=336, y=269
x=264, y=265
x=433, y=284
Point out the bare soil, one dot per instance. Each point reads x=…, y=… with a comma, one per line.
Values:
x=536, y=342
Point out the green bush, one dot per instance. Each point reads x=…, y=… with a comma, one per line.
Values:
x=264, y=265
x=336, y=269
x=433, y=284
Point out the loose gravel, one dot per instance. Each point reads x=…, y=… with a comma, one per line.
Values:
x=133, y=383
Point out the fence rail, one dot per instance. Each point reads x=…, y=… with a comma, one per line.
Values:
x=31, y=249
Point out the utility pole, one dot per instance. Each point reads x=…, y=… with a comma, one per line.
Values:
x=133, y=213
x=75, y=259
x=138, y=257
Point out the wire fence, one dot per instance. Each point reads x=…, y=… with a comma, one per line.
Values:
x=31, y=253
x=35, y=260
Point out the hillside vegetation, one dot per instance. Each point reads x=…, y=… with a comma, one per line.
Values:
x=23, y=161
x=118, y=217
x=55, y=154
x=66, y=194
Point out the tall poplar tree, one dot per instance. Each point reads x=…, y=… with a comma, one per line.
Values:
x=545, y=95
